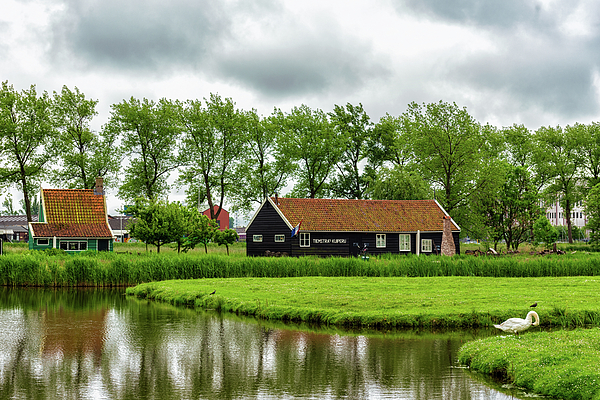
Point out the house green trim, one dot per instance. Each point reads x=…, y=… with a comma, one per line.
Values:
x=73, y=220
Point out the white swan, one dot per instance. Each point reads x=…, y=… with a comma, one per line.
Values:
x=516, y=325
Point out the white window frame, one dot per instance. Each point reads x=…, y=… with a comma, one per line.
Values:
x=43, y=244
x=380, y=240
x=304, y=239
x=426, y=245
x=405, y=242
x=257, y=238
x=279, y=238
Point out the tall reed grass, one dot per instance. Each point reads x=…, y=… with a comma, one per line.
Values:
x=111, y=269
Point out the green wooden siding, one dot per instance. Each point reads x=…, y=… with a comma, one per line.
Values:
x=92, y=244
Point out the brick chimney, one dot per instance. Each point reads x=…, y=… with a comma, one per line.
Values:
x=99, y=189
x=448, y=248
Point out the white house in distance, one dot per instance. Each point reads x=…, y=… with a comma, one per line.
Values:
x=557, y=217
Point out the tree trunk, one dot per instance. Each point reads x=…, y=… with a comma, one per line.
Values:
x=26, y=199
x=568, y=211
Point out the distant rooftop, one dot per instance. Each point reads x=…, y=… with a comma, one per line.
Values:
x=15, y=219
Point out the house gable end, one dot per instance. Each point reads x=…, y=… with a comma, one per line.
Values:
x=266, y=225
x=268, y=200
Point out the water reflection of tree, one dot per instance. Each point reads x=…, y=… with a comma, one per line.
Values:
x=156, y=351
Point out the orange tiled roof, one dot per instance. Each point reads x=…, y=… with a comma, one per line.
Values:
x=72, y=213
x=363, y=215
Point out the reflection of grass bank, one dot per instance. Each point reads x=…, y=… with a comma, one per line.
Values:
x=455, y=302
x=561, y=364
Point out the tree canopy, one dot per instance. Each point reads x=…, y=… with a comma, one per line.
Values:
x=486, y=178
x=27, y=139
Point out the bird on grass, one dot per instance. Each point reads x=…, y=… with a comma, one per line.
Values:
x=534, y=305
x=213, y=292
x=516, y=325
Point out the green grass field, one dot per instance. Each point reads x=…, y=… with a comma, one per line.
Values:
x=390, y=302
x=560, y=364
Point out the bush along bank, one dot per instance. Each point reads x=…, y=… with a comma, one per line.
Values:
x=111, y=269
x=560, y=364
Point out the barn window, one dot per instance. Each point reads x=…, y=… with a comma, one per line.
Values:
x=404, y=242
x=305, y=239
x=74, y=246
x=426, y=245
x=380, y=240
x=279, y=238
x=43, y=242
x=257, y=238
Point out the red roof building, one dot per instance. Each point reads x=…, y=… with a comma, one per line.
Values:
x=222, y=219
x=346, y=227
x=72, y=220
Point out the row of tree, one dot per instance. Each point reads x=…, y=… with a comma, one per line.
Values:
x=158, y=222
x=491, y=180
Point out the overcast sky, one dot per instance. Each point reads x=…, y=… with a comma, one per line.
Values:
x=527, y=62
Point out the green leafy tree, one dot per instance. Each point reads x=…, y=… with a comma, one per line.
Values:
x=558, y=156
x=149, y=136
x=352, y=123
x=201, y=230
x=518, y=145
x=264, y=171
x=511, y=212
x=83, y=154
x=592, y=211
x=212, y=145
x=226, y=237
x=451, y=151
x=590, y=147
x=544, y=232
x=27, y=139
x=488, y=205
x=399, y=183
x=391, y=143
x=157, y=222
x=9, y=209
x=309, y=139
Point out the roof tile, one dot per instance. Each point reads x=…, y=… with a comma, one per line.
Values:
x=338, y=215
x=72, y=213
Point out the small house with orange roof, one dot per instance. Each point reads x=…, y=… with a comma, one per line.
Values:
x=73, y=220
x=340, y=227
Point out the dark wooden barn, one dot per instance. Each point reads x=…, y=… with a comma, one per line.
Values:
x=336, y=227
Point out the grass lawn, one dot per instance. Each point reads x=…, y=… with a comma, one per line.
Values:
x=561, y=364
x=238, y=248
x=361, y=301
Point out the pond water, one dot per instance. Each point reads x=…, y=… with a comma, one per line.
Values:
x=101, y=344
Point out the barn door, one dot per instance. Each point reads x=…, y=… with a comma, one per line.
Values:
x=103, y=244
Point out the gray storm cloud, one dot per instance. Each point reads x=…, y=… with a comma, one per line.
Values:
x=535, y=60
x=208, y=38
